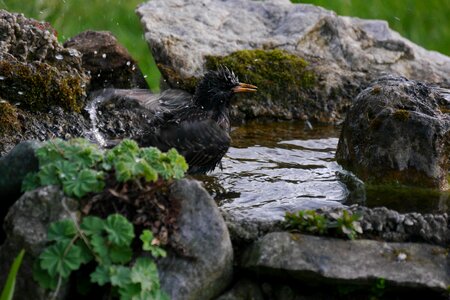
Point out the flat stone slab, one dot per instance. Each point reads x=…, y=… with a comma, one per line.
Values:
x=359, y=262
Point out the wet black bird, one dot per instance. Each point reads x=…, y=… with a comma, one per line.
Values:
x=196, y=125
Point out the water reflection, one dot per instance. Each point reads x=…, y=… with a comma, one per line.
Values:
x=278, y=167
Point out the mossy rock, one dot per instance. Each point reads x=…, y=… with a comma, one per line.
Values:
x=282, y=78
x=8, y=118
x=177, y=81
x=37, y=86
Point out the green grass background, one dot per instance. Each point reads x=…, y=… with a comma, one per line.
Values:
x=424, y=22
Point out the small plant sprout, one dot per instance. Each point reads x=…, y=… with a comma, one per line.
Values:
x=310, y=221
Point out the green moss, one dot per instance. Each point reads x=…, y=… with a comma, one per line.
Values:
x=401, y=114
x=277, y=73
x=38, y=86
x=188, y=84
x=8, y=118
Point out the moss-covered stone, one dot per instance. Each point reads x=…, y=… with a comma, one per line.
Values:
x=277, y=73
x=8, y=118
x=401, y=114
x=37, y=86
x=176, y=81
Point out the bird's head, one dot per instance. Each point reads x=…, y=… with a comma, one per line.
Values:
x=217, y=88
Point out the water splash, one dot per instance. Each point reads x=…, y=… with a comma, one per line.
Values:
x=94, y=134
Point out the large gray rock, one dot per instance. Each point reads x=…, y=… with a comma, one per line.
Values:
x=206, y=268
x=202, y=271
x=320, y=260
x=26, y=226
x=343, y=53
x=397, y=131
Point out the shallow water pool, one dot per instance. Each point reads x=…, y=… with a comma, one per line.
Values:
x=276, y=167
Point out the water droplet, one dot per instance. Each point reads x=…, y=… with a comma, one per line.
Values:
x=95, y=52
x=128, y=63
x=145, y=76
x=2, y=77
x=20, y=92
x=59, y=56
x=104, y=55
x=133, y=68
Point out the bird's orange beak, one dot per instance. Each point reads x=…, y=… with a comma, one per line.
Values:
x=244, y=88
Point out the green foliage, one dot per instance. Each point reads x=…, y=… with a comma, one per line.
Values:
x=8, y=289
x=347, y=224
x=307, y=220
x=343, y=223
x=79, y=166
x=108, y=243
x=149, y=243
x=378, y=289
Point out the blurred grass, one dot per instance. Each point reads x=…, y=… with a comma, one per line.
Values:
x=425, y=22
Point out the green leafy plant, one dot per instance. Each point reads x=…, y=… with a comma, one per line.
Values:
x=378, y=289
x=344, y=222
x=80, y=167
x=307, y=220
x=107, y=242
x=8, y=289
x=347, y=224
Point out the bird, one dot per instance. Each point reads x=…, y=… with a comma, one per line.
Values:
x=197, y=126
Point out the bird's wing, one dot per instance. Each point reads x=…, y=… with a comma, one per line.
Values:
x=164, y=102
x=203, y=143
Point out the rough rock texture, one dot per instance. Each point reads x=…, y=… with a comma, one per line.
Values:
x=397, y=131
x=206, y=269
x=108, y=62
x=389, y=225
x=243, y=231
x=42, y=84
x=361, y=262
x=202, y=271
x=35, y=70
x=376, y=223
x=13, y=168
x=26, y=228
x=42, y=126
x=343, y=53
x=244, y=289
